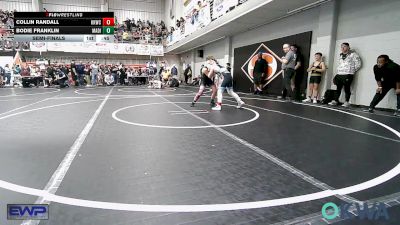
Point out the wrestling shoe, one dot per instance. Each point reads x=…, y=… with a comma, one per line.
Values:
x=216, y=108
x=240, y=105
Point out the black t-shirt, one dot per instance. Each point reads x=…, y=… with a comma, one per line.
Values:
x=299, y=58
x=50, y=71
x=388, y=74
x=187, y=73
x=260, y=66
x=122, y=71
x=73, y=69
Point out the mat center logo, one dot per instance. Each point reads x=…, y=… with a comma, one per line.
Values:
x=269, y=56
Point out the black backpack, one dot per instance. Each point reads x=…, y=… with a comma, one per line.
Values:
x=174, y=83
x=328, y=96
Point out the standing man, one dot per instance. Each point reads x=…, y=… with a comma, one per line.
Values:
x=122, y=74
x=114, y=73
x=2, y=72
x=288, y=66
x=260, y=68
x=174, y=71
x=387, y=76
x=74, y=76
x=187, y=73
x=80, y=70
x=94, y=71
x=7, y=74
x=50, y=75
x=297, y=80
x=349, y=64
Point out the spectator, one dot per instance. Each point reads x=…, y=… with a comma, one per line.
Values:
x=387, y=76
x=166, y=74
x=288, y=66
x=128, y=24
x=187, y=73
x=17, y=70
x=94, y=72
x=125, y=36
x=25, y=76
x=299, y=73
x=37, y=76
x=122, y=74
x=349, y=63
x=174, y=71
x=109, y=80
x=80, y=70
x=182, y=23
x=162, y=67
x=7, y=74
x=73, y=73
x=114, y=73
x=316, y=69
x=100, y=76
x=64, y=69
x=61, y=78
x=88, y=74
x=195, y=12
x=49, y=76
x=260, y=68
x=1, y=76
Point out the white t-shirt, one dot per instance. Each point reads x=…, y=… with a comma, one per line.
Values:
x=95, y=69
x=109, y=79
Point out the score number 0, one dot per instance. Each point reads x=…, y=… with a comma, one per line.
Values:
x=108, y=21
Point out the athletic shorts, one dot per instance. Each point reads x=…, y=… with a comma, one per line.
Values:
x=227, y=82
x=206, y=81
x=315, y=79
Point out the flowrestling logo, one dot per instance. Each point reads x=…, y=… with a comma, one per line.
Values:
x=272, y=59
x=373, y=211
x=27, y=212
